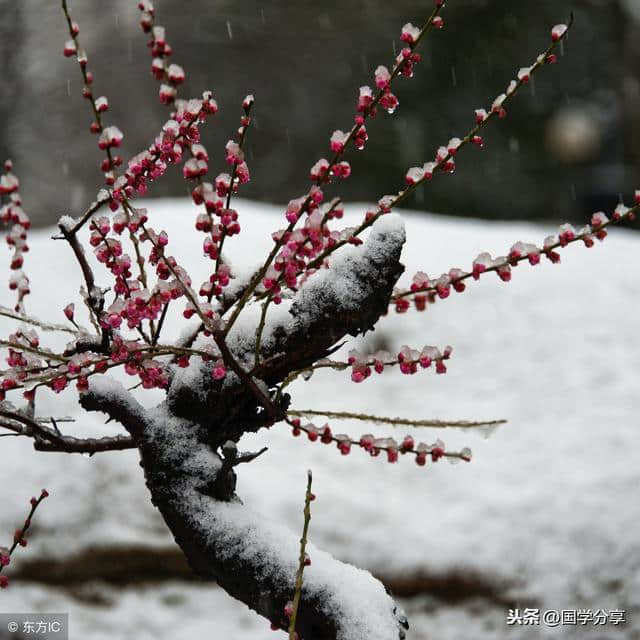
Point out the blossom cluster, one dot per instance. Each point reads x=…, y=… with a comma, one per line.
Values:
x=180, y=132
x=424, y=289
x=12, y=214
x=31, y=366
x=109, y=137
x=408, y=360
x=300, y=249
x=374, y=446
x=171, y=75
x=303, y=251
x=135, y=302
x=218, y=220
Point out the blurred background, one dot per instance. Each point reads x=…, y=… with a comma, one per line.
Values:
x=570, y=143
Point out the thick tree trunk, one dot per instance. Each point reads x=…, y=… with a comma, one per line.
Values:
x=189, y=461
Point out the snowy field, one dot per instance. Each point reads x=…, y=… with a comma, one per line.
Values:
x=548, y=507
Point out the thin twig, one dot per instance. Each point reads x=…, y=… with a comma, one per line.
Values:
x=302, y=560
x=96, y=113
x=95, y=304
x=48, y=439
x=46, y=326
x=163, y=315
x=234, y=171
x=100, y=202
x=47, y=355
x=260, y=329
x=374, y=446
x=406, y=422
x=511, y=261
x=19, y=536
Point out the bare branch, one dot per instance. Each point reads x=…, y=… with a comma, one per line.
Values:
x=48, y=439
x=95, y=297
x=303, y=557
x=272, y=410
x=407, y=422
x=68, y=444
x=93, y=207
x=78, y=251
x=46, y=326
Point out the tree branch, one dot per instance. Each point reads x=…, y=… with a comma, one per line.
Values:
x=48, y=439
x=69, y=444
x=94, y=294
x=109, y=396
x=46, y=326
x=406, y=422
x=347, y=298
x=103, y=199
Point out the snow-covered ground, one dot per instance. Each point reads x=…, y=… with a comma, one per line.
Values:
x=549, y=503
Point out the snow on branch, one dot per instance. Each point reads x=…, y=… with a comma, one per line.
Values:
x=51, y=439
x=251, y=557
x=345, y=299
x=109, y=396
